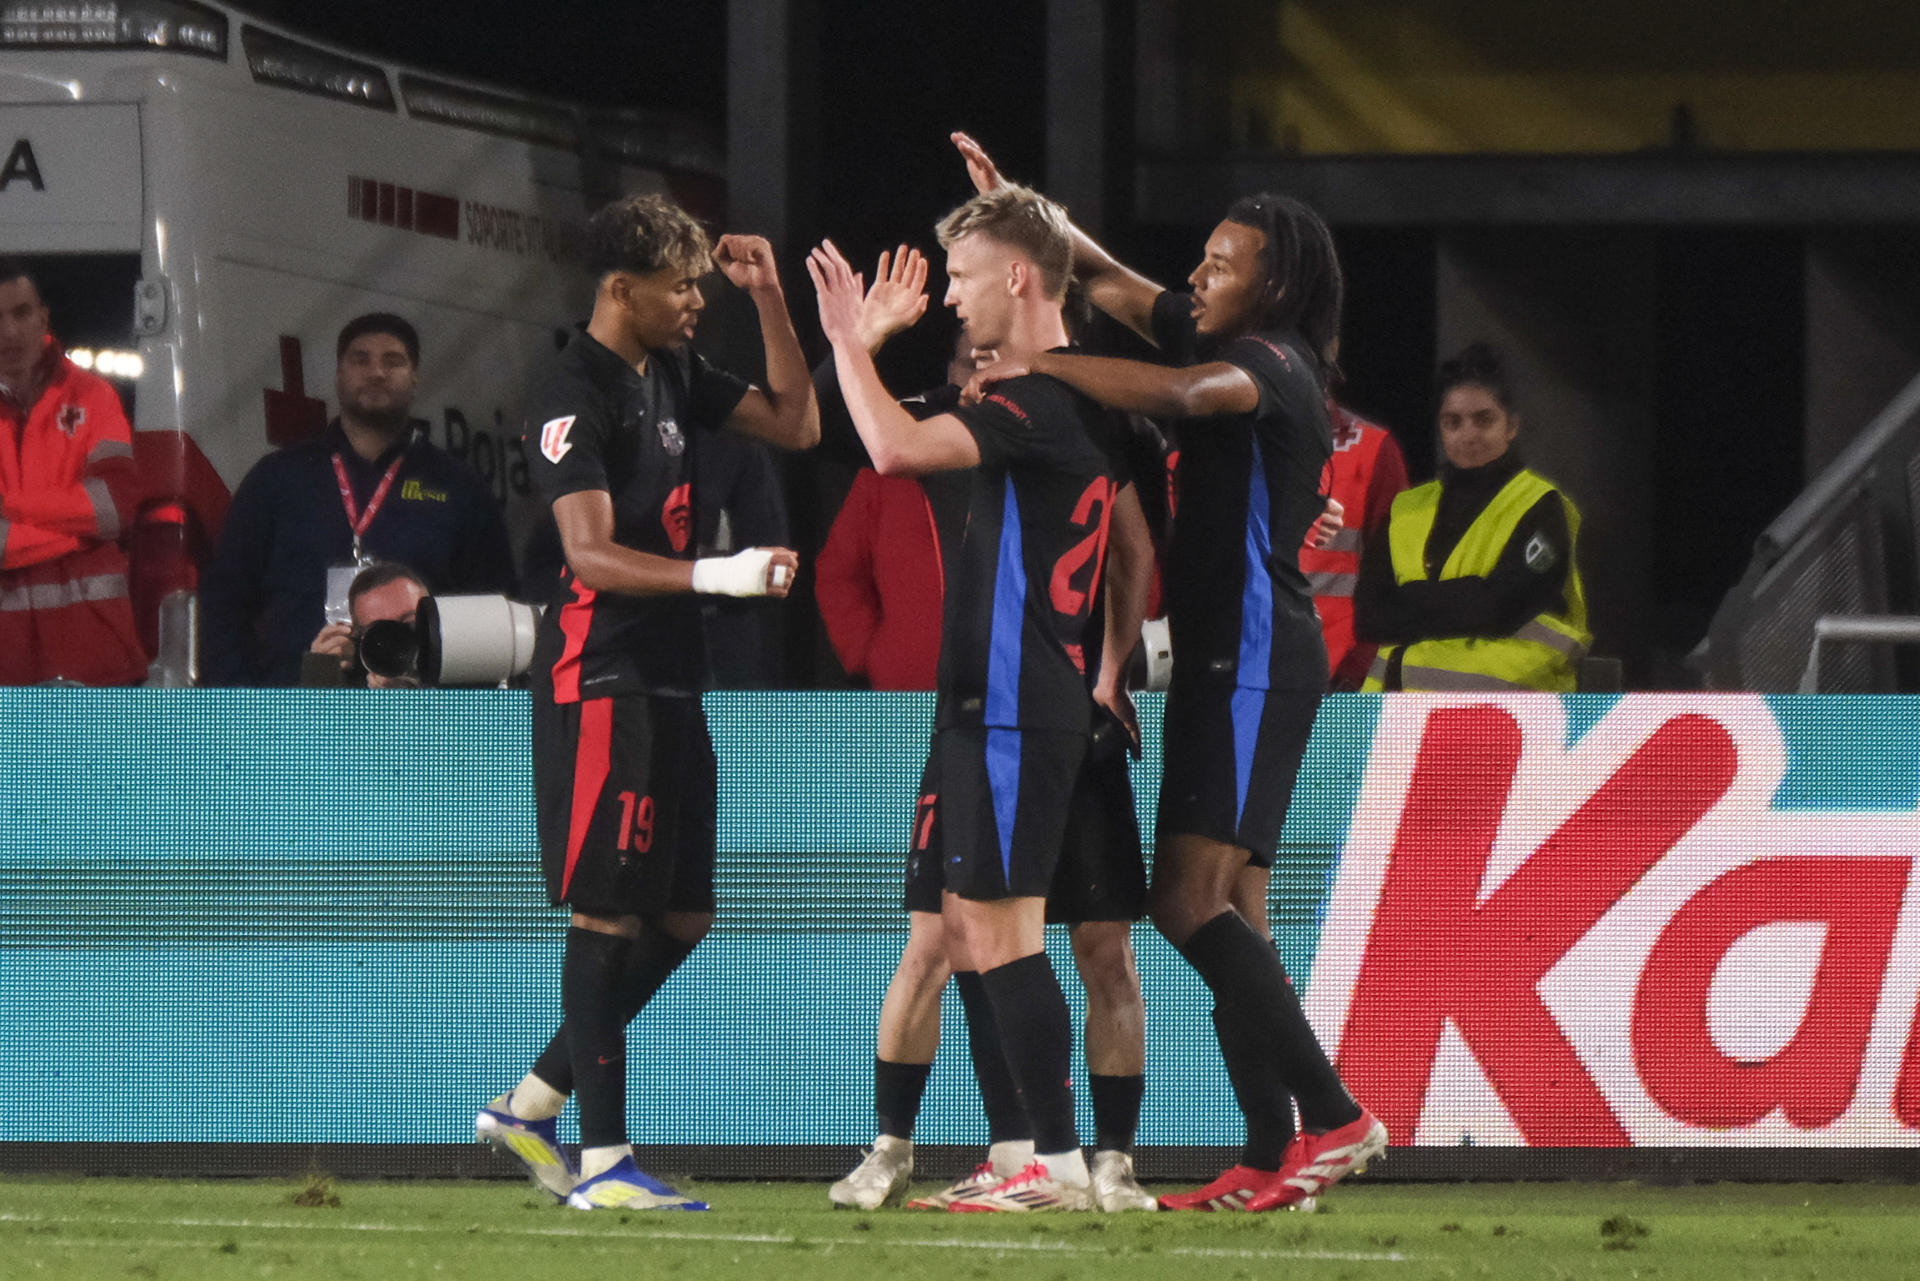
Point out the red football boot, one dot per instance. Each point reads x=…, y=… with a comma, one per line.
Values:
x=1315, y=1162
x=1231, y=1191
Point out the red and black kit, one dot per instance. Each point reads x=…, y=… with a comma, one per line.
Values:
x=627, y=794
x=594, y=423
x=621, y=751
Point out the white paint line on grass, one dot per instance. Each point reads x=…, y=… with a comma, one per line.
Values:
x=722, y=1238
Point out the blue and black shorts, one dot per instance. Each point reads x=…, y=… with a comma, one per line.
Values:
x=1231, y=756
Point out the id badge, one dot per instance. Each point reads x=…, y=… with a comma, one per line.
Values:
x=339, y=585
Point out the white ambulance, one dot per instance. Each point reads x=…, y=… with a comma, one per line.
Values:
x=234, y=193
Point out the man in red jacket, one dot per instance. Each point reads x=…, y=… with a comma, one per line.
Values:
x=67, y=488
x=879, y=579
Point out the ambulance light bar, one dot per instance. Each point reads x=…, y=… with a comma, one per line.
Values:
x=550, y=126
x=124, y=365
x=179, y=25
x=657, y=139
x=277, y=60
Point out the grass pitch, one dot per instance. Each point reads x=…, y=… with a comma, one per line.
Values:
x=314, y=1228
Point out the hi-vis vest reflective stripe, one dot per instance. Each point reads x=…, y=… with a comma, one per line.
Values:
x=1543, y=654
x=1335, y=570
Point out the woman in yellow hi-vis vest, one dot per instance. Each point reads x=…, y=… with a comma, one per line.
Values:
x=1474, y=587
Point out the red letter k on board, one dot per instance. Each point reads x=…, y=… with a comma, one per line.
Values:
x=1437, y=952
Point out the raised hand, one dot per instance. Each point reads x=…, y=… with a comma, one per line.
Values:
x=898, y=298
x=980, y=167
x=840, y=291
x=747, y=262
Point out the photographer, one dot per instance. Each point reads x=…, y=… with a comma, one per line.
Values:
x=371, y=487
x=384, y=592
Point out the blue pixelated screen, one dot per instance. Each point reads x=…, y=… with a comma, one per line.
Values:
x=1579, y=921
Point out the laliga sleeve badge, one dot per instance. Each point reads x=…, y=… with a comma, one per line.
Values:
x=1540, y=555
x=553, y=438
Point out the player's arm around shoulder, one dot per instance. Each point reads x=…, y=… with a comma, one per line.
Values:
x=1132, y=386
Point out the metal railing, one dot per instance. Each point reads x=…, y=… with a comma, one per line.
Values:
x=1846, y=549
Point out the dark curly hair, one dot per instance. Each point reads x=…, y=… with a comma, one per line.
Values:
x=643, y=234
x=1306, y=290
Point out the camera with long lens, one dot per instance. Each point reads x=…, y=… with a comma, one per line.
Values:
x=454, y=640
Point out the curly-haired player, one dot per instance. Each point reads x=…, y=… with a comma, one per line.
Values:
x=1252, y=345
x=624, y=771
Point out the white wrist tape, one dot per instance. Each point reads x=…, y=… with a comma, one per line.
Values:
x=741, y=574
x=1157, y=638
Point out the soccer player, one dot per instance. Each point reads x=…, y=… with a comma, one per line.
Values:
x=1099, y=889
x=1013, y=711
x=1251, y=345
x=624, y=771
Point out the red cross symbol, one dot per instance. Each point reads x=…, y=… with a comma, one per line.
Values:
x=71, y=416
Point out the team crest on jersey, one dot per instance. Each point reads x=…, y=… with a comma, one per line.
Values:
x=553, y=438
x=70, y=418
x=676, y=517
x=670, y=438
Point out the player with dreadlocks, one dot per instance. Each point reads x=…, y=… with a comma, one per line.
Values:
x=1252, y=347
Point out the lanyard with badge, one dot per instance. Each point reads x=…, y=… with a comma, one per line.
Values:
x=340, y=577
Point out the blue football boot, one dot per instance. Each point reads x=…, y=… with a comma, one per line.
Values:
x=627, y=1187
x=534, y=1144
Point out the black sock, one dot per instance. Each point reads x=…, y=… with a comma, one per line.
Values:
x=897, y=1090
x=1263, y=1101
x=555, y=1064
x=1006, y=1115
x=596, y=1034
x=652, y=958
x=1116, y=1110
x=1036, y=1032
x=1250, y=986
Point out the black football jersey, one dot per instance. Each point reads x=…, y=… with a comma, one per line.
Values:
x=595, y=423
x=1248, y=489
x=1020, y=590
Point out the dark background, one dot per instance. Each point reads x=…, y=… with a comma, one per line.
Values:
x=637, y=53
x=888, y=81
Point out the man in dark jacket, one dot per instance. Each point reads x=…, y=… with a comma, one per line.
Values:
x=306, y=519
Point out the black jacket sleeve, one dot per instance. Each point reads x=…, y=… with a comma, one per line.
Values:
x=1519, y=588
x=232, y=592
x=483, y=560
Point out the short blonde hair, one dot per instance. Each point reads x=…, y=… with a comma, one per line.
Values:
x=1022, y=219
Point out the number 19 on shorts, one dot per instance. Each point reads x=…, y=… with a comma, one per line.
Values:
x=636, y=823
